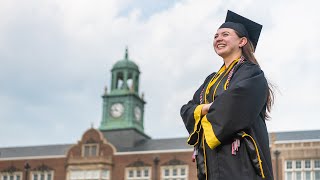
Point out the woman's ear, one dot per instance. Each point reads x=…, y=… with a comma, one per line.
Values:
x=243, y=42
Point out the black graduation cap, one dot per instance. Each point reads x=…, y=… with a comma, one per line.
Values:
x=244, y=26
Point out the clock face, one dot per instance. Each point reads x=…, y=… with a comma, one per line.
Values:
x=116, y=110
x=137, y=113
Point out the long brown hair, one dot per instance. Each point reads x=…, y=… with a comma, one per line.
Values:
x=247, y=52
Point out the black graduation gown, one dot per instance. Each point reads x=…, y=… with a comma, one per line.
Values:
x=238, y=109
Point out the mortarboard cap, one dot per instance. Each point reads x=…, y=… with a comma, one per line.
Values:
x=244, y=26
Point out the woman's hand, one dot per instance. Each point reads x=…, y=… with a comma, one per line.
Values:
x=205, y=109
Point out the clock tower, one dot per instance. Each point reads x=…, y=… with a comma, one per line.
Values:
x=123, y=108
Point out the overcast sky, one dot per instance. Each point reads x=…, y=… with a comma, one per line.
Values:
x=56, y=56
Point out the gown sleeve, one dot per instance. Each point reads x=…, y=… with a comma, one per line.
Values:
x=238, y=107
x=191, y=112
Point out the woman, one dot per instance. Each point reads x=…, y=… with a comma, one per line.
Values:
x=226, y=117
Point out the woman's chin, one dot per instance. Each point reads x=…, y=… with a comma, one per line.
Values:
x=221, y=53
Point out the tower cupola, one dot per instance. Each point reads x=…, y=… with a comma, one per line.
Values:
x=125, y=76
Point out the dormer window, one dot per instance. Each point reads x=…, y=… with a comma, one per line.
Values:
x=11, y=173
x=174, y=172
x=90, y=150
x=11, y=176
x=39, y=175
x=174, y=169
x=93, y=174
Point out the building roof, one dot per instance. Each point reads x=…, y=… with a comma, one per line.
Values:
x=144, y=144
x=130, y=139
x=61, y=150
x=32, y=151
x=309, y=135
x=159, y=145
x=124, y=138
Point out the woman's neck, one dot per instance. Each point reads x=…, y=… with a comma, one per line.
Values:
x=228, y=60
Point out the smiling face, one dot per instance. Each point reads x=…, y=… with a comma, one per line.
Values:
x=227, y=43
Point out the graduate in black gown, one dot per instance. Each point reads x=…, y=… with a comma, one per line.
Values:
x=226, y=116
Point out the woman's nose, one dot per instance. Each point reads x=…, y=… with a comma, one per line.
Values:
x=218, y=38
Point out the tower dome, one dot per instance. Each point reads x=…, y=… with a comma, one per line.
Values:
x=125, y=76
x=125, y=63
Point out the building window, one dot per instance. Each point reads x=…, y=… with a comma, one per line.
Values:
x=105, y=175
x=174, y=172
x=317, y=175
x=298, y=164
x=307, y=164
x=289, y=165
x=138, y=173
x=11, y=176
x=316, y=163
x=89, y=175
x=298, y=175
x=289, y=175
x=89, y=150
x=302, y=169
x=307, y=175
x=42, y=175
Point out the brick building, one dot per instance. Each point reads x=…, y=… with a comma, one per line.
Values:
x=120, y=150
x=296, y=155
